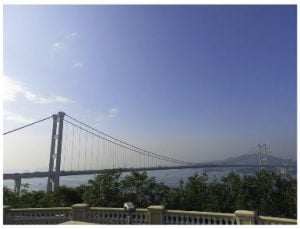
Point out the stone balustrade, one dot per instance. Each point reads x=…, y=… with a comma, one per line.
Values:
x=36, y=215
x=116, y=216
x=194, y=217
x=154, y=214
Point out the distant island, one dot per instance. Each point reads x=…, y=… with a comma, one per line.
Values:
x=253, y=159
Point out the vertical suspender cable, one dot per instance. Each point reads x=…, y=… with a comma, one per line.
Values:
x=98, y=156
x=79, y=146
x=92, y=152
x=85, y=151
x=72, y=149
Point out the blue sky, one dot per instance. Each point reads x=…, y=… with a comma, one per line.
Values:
x=196, y=82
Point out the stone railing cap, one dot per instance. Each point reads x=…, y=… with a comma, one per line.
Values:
x=156, y=207
x=244, y=213
x=277, y=219
x=80, y=205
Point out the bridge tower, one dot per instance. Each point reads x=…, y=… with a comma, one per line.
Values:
x=55, y=152
x=263, y=156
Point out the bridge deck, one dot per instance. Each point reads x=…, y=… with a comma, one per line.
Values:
x=13, y=176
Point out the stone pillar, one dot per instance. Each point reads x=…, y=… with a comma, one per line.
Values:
x=79, y=212
x=156, y=214
x=245, y=217
x=6, y=209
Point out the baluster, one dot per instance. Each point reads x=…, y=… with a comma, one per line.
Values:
x=124, y=217
x=96, y=217
x=184, y=219
x=109, y=216
x=181, y=219
x=213, y=220
x=176, y=219
x=101, y=217
x=120, y=218
x=144, y=218
x=115, y=218
x=105, y=216
x=97, y=220
x=196, y=220
x=166, y=219
x=138, y=218
x=171, y=219
x=224, y=221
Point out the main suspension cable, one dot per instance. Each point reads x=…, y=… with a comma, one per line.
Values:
x=126, y=147
x=130, y=145
x=30, y=124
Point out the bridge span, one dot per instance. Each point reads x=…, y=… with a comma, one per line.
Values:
x=77, y=148
x=17, y=177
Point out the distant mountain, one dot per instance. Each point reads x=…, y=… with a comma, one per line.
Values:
x=253, y=159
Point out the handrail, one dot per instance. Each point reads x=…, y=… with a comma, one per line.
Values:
x=41, y=209
x=276, y=220
x=196, y=213
x=114, y=209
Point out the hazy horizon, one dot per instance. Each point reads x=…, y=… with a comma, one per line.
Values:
x=197, y=83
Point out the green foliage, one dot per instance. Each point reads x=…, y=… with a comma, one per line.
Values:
x=265, y=192
x=104, y=190
x=143, y=190
x=61, y=197
x=9, y=197
x=196, y=192
x=110, y=190
x=65, y=196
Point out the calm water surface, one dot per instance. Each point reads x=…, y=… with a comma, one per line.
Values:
x=169, y=177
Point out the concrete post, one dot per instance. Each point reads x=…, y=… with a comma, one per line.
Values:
x=245, y=217
x=79, y=212
x=156, y=214
x=52, y=154
x=6, y=209
x=59, y=146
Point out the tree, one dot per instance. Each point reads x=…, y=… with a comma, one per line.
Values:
x=143, y=190
x=176, y=197
x=65, y=196
x=265, y=192
x=196, y=192
x=10, y=197
x=104, y=190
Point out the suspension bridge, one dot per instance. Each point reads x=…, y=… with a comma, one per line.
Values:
x=77, y=148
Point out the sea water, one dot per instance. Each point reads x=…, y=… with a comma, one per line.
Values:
x=170, y=178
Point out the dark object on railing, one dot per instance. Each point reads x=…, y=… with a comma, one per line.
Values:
x=130, y=208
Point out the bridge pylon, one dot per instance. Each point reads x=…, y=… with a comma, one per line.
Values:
x=263, y=156
x=55, y=151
